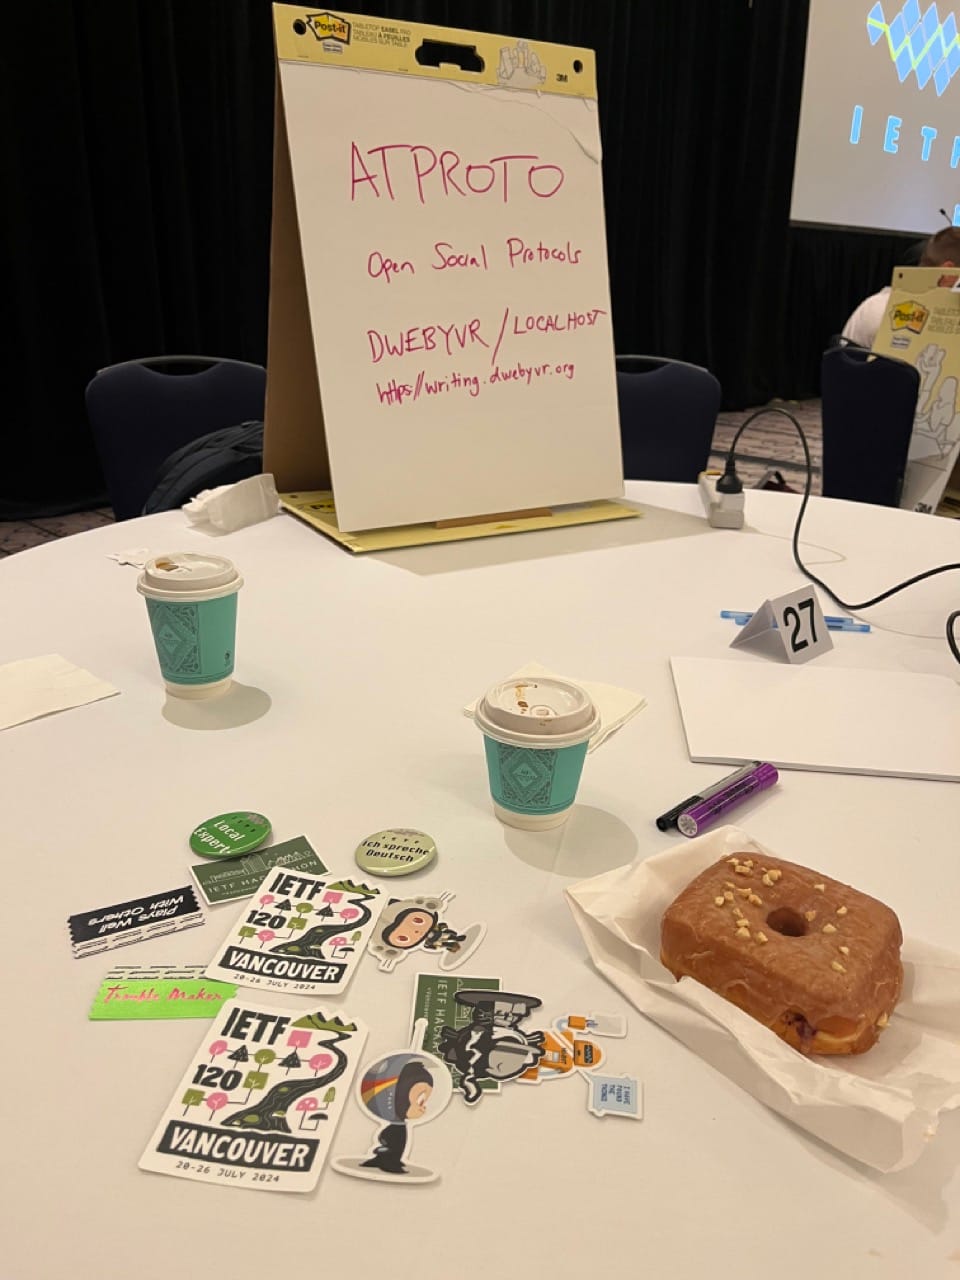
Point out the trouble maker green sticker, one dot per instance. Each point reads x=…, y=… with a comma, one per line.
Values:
x=230, y=834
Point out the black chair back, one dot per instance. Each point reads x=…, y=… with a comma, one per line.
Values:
x=139, y=414
x=869, y=403
x=668, y=413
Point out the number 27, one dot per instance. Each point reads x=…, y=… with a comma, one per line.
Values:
x=791, y=616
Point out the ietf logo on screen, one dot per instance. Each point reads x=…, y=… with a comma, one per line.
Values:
x=927, y=137
x=923, y=46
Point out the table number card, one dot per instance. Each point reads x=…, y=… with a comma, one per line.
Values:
x=791, y=627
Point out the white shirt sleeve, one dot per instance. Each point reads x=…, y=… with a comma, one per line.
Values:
x=862, y=326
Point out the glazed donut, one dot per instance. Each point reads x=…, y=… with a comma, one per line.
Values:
x=812, y=959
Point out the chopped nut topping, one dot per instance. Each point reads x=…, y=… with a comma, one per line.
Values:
x=732, y=862
x=728, y=884
x=774, y=875
x=748, y=862
x=760, y=937
x=841, y=911
x=740, y=870
x=820, y=888
x=766, y=878
x=829, y=928
x=882, y=1020
x=719, y=901
x=755, y=899
x=728, y=896
x=744, y=893
x=743, y=932
x=809, y=915
x=835, y=964
x=845, y=950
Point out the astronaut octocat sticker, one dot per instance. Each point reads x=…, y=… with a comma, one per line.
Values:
x=399, y=1090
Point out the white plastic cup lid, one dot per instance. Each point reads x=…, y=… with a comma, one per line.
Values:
x=188, y=572
x=524, y=711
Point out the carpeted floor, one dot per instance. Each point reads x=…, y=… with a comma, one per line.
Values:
x=771, y=444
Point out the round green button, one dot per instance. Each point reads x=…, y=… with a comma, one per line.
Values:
x=230, y=834
x=397, y=852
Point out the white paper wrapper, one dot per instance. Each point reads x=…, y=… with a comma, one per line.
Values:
x=881, y=1107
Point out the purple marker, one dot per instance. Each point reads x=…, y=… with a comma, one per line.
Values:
x=700, y=816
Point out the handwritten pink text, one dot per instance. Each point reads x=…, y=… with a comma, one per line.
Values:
x=397, y=170
x=448, y=338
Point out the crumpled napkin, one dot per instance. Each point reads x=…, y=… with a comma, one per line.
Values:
x=616, y=706
x=136, y=556
x=36, y=687
x=880, y=1108
x=234, y=506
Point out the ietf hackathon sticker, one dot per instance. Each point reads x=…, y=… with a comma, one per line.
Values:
x=300, y=934
x=260, y=1100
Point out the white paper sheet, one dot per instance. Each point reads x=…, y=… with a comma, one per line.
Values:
x=836, y=719
x=36, y=687
x=880, y=1107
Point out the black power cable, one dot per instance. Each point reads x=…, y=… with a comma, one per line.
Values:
x=730, y=482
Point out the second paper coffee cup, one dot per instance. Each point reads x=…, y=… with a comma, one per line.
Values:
x=535, y=736
x=192, y=605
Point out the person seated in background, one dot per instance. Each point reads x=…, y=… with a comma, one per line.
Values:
x=941, y=250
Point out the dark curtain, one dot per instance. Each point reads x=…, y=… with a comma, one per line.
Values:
x=137, y=148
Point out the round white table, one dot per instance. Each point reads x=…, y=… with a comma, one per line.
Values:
x=352, y=674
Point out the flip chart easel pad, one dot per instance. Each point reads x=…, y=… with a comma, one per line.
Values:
x=921, y=325
x=832, y=719
x=503, y=394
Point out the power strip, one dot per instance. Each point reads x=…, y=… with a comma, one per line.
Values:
x=724, y=510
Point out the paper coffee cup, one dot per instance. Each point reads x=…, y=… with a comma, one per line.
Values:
x=535, y=735
x=192, y=605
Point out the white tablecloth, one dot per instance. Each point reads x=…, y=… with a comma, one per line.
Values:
x=354, y=671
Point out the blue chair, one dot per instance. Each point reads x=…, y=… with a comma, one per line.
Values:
x=141, y=411
x=668, y=414
x=868, y=406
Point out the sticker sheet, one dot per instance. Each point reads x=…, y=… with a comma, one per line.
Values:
x=615, y=1096
x=260, y=1100
x=300, y=934
x=570, y=1045
x=399, y=1090
x=136, y=920
x=475, y=1029
x=240, y=877
x=570, y=1048
x=436, y=1013
x=419, y=924
x=132, y=992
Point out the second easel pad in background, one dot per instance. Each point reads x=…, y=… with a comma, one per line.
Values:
x=820, y=718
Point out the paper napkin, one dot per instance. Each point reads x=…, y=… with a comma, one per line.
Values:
x=36, y=687
x=881, y=1107
x=234, y=506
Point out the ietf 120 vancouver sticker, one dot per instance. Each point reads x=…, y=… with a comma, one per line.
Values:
x=299, y=934
x=259, y=1103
